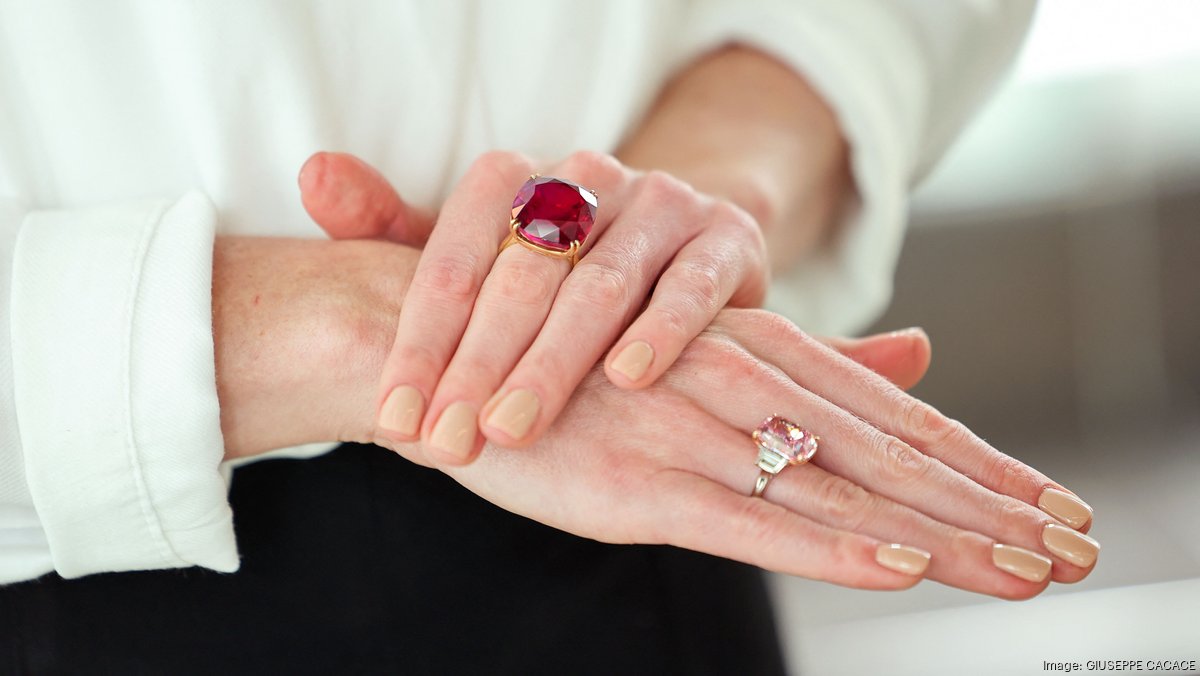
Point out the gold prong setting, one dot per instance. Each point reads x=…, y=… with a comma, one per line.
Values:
x=562, y=208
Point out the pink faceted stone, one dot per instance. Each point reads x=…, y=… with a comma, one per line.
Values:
x=554, y=213
x=787, y=439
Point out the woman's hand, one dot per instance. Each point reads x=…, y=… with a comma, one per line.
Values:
x=497, y=342
x=302, y=327
x=674, y=463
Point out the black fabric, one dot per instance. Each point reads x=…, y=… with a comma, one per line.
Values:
x=360, y=562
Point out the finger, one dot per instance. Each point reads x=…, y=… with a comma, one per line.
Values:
x=349, y=199
x=865, y=394
x=955, y=556
x=725, y=262
x=595, y=302
x=708, y=517
x=511, y=310
x=901, y=356
x=438, y=305
x=887, y=466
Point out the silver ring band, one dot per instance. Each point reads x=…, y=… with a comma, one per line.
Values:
x=760, y=485
x=781, y=443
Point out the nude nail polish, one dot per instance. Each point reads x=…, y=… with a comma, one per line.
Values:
x=455, y=431
x=1070, y=545
x=634, y=359
x=1065, y=507
x=902, y=559
x=515, y=413
x=402, y=411
x=1020, y=562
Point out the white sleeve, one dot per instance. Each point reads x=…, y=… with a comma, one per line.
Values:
x=903, y=76
x=111, y=437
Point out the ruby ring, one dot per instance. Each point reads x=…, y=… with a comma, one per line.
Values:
x=781, y=443
x=552, y=217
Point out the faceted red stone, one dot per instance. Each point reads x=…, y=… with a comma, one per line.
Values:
x=554, y=213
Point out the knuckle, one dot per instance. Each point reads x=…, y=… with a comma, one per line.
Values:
x=467, y=372
x=672, y=320
x=730, y=215
x=965, y=545
x=776, y=325
x=712, y=353
x=1014, y=514
x=744, y=246
x=928, y=424
x=602, y=286
x=703, y=285
x=452, y=277
x=617, y=472
x=592, y=165
x=707, y=349
x=900, y=461
x=501, y=162
x=847, y=503
x=659, y=187
x=521, y=281
x=1007, y=474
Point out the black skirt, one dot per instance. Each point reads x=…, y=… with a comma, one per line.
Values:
x=358, y=562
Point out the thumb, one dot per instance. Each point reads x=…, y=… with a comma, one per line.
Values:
x=901, y=356
x=349, y=199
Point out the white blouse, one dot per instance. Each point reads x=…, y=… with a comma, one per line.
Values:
x=132, y=132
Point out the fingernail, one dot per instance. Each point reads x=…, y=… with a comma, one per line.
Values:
x=455, y=430
x=402, y=411
x=1065, y=507
x=633, y=361
x=1068, y=544
x=1023, y=563
x=515, y=413
x=902, y=559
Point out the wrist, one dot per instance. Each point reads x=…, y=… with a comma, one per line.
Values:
x=301, y=329
x=740, y=126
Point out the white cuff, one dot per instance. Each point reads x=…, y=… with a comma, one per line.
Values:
x=115, y=386
x=870, y=75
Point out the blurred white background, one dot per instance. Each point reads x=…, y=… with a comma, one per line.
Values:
x=1054, y=259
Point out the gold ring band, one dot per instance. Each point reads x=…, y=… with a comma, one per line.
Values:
x=552, y=216
x=515, y=237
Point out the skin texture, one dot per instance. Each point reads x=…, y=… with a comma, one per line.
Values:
x=737, y=163
x=302, y=328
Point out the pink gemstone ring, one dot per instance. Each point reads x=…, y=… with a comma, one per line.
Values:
x=552, y=217
x=781, y=443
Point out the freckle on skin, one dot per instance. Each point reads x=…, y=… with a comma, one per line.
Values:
x=256, y=297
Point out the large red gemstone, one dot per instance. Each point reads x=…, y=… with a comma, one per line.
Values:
x=554, y=213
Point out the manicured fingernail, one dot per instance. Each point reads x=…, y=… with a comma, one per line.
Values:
x=902, y=559
x=1075, y=547
x=455, y=430
x=1023, y=563
x=1065, y=507
x=402, y=411
x=515, y=413
x=913, y=331
x=633, y=361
